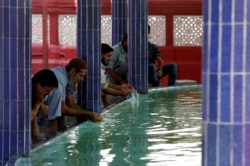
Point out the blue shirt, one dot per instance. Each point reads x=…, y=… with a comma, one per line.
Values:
x=55, y=98
x=119, y=57
x=62, y=79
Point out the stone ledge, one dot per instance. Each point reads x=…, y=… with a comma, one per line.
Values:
x=185, y=82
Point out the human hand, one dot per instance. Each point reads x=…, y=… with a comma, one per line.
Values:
x=36, y=137
x=38, y=94
x=127, y=89
x=95, y=117
x=159, y=73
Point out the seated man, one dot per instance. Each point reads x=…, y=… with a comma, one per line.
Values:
x=154, y=73
x=117, y=68
x=106, y=86
x=43, y=82
x=75, y=71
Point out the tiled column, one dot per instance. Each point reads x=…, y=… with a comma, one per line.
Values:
x=119, y=20
x=15, y=79
x=226, y=83
x=88, y=48
x=138, y=44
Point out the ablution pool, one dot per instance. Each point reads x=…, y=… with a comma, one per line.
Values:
x=162, y=127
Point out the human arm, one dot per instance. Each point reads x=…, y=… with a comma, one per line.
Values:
x=35, y=109
x=69, y=107
x=160, y=66
x=118, y=90
x=154, y=56
x=37, y=98
x=113, y=74
x=35, y=134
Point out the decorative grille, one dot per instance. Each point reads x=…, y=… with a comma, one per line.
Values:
x=37, y=32
x=67, y=29
x=158, y=30
x=188, y=30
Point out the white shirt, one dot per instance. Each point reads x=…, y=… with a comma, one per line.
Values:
x=104, y=79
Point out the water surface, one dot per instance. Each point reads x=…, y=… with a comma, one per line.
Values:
x=164, y=128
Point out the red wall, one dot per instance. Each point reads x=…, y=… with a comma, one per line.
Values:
x=57, y=54
x=187, y=58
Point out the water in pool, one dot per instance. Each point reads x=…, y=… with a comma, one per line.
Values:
x=163, y=128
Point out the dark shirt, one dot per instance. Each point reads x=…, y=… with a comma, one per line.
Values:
x=153, y=52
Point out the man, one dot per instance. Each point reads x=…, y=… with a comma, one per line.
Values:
x=156, y=73
x=109, y=88
x=43, y=82
x=75, y=71
x=117, y=67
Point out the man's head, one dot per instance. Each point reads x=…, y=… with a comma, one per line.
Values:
x=45, y=79
x=148, y=29
x=76, y=69
x=125, y=42
x=106, y=53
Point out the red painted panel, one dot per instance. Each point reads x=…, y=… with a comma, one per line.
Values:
x=188, y=59
x=58, y=56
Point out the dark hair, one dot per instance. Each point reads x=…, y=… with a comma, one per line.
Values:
x=45, y=77
x=76, y=64
x=148, y=29
x=106, y=48
x=125, y=37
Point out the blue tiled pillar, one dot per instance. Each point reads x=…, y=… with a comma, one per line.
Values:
x=119, y=20
x=138, y=44
x=226, y=83
x=15, y=79
x=88, y=48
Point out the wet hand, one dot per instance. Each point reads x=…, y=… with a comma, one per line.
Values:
x=95, y=117
x=127, y=87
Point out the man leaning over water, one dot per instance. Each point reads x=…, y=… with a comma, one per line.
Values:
x=75, y=71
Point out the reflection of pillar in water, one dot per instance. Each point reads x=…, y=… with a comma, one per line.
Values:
x=138, y=140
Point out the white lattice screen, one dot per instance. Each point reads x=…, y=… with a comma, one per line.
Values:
x=67, y=29
x=37, y=31
x=188, y=30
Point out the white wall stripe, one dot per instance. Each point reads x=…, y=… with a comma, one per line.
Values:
x=232, y=79
x=207, y=72
x=232, y=74
x=219, y=84
x=244, y=80
x=2, y=81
